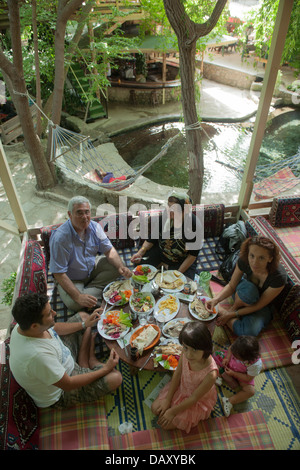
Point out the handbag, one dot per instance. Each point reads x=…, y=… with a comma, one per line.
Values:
x=228, y=265
x=228, y=248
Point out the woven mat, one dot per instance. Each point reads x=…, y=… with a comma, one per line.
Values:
x=279, y=402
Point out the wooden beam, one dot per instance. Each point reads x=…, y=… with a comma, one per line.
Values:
x=11, y=192
x=276, y=49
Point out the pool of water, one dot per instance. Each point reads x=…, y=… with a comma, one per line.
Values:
x=226, y=143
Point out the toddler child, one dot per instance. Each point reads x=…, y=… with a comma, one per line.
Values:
x=239, y=366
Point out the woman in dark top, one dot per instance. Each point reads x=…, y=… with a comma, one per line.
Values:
x=256, y=281
x=176, y=240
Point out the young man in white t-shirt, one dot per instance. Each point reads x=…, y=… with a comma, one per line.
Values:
x=50, y=372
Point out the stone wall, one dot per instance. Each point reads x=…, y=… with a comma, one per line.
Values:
x=228, y=76
x=143, y=96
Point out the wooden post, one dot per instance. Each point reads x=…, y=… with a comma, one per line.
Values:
x=277, y=45
x=164, y=76
x=13, y=198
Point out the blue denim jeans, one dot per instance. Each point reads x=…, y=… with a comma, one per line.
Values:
x=253, y=323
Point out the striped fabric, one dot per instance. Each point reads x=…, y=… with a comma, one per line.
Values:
x=290, y=236
x=244, y=431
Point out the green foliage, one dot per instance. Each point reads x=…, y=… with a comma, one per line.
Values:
x=263, y=20
x=8, y=286
x=198, y=11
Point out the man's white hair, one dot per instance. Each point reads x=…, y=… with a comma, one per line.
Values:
x=77, y=200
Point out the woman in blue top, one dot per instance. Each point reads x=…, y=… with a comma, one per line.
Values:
x=257, y=280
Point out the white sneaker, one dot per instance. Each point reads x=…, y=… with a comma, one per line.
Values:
x=227, y=406
x=219, y=381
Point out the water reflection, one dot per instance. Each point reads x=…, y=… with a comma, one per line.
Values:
x=226, y=143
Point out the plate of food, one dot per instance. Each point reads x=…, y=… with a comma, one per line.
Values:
x=197, y=309
x=166, y=308
x=168, y=353
x=118, y=292
x=142, y=302
x=170, y=281
x=174, y=327
x=145, y=337
x=143, y=274
x=114, y=324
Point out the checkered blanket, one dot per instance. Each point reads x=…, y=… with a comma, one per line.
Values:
x=273, y=185
x=245, y=431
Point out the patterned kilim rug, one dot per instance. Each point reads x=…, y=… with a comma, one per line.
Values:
x=275, y=397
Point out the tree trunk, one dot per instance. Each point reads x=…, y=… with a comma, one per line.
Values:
x=14, y=78
x=64, y=11
x=187, y=33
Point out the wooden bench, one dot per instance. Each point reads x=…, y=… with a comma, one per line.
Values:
x=12, y=129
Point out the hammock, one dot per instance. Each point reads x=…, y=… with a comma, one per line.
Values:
x=267, y=170
x=75, y=154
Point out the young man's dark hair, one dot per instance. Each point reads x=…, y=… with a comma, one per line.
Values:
x=28, y=309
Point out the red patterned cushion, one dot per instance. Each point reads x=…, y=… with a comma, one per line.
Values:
x=213, y=217
x=33, y=269
x=19, y=417
x=285, y=212
x=290, y=313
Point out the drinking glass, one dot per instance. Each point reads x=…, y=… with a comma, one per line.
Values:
x=143, y=318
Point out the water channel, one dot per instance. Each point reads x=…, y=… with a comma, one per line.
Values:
x=226, y=143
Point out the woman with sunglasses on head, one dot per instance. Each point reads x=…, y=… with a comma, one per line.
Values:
x=257, y=280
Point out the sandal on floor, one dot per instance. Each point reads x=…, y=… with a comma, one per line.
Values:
x=219, y=381
x=227, y=406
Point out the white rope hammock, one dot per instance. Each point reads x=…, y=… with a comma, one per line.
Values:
x=75, y=154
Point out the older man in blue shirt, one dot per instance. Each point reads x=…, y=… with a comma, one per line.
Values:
x=83, y=260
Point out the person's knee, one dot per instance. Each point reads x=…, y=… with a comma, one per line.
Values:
x=114, y=380
x=242, y=327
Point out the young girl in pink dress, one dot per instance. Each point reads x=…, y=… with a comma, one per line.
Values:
x=238, y=366
x=191, y=394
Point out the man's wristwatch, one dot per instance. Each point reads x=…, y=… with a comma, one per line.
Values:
x=83, y=325
x=237, y=315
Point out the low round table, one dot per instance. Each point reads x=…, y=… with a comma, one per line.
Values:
x=137, y=364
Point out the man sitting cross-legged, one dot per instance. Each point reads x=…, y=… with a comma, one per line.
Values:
x=45, y=364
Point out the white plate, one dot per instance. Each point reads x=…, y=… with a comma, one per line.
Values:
x=143, y=295
x=175, y=320
x=173, y=291
x=195, y=315
x=101, y=329
x=166, y=341
x=105, y=297
x=165, y=315
x=152, y=268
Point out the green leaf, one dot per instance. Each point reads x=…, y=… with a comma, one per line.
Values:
x=124, y=318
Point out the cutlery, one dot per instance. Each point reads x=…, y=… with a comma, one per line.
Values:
x=110, y=308
x=126, y=352
x=161, y=276
x=151, y=355
x=104, y=309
